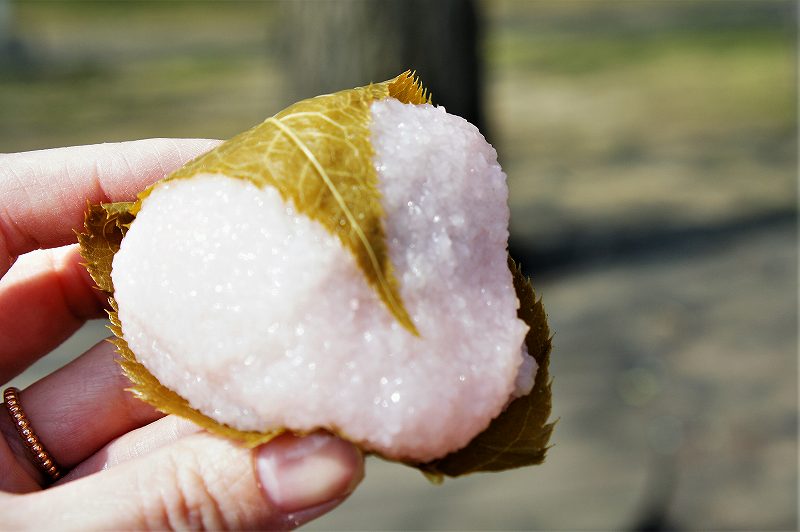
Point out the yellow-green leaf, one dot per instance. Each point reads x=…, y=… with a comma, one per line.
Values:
x=105, y=225
x=519, y=436
x=317, y=154
x=147, y=388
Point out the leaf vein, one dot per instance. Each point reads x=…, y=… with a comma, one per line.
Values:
x=342, y=205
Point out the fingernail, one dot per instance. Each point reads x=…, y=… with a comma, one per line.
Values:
x=303, y=473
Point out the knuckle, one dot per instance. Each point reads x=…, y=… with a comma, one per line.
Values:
x=186, y=498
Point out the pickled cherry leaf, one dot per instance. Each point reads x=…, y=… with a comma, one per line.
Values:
x=104, y=228
x=147, y=388
x=105, y=225
x=519, y=436
x=317, y=154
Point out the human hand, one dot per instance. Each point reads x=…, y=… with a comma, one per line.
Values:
x=124, y=464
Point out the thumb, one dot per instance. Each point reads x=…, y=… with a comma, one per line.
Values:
x=205, y=482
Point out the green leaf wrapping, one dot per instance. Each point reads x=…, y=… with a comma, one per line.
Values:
x=317, y=154
x=104, y=228
x=519, y=436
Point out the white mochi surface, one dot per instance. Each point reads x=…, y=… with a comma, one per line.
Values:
x=261, y=319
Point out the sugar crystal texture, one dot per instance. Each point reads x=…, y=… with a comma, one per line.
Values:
x=260, y=318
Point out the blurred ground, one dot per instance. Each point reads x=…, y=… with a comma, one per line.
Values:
x=651, y=149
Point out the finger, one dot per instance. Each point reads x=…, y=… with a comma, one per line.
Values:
x=44, y=298
x=15, y=476
x=79, y=409
x=207, y=482
x=44, y=193
x=134, y=444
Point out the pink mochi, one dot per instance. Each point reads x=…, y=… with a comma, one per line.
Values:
x=261, y=319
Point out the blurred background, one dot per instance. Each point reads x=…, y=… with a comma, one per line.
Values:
x=651, y=151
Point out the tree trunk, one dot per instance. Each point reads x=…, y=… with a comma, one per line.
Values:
x=332, y=45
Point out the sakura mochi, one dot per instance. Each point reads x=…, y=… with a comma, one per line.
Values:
x=382, y=309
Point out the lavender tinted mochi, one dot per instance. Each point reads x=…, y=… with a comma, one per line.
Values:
x=391, y=320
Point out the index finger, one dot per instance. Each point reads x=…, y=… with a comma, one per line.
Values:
x=43, y=193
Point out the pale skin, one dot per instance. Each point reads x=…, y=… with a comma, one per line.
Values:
x=126, y=465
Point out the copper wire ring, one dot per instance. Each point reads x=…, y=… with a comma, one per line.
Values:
x=25, y=430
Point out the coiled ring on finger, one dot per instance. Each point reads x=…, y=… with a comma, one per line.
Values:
x=42, y=458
